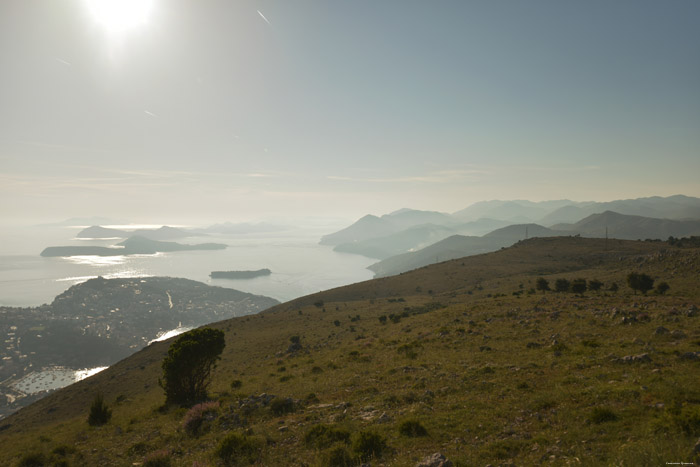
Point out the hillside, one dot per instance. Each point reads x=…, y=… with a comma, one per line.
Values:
x=629, y=227
x=494, y=372
x=458, y=246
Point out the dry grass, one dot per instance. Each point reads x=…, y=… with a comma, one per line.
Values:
x=493, y=377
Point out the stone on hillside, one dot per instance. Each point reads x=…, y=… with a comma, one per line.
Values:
x=435, y=460
x=644, y=357
x=690, y=356
x=692, y=311
x=384, y=418
x=678, y=334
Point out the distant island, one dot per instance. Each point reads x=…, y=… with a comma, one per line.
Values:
x=239, y=274
x=135, y=245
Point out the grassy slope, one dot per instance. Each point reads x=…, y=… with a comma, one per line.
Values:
x=465, y=371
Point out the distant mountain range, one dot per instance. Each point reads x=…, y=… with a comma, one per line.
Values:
x=407, y=239
x=163, y=233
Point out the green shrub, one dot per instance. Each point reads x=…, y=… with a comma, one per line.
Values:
x=602, y=415
x=281, y=405
x=339, y=457
x=237, y=449
x=236, y=384
x=412, y=429
x=197, y=415
x=63, y=450
x=369, y=445
x=157, y=459
x=323, y=436
x=99, y=412
x=34, y=459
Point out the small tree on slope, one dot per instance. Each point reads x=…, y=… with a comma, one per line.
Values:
x=187, y=368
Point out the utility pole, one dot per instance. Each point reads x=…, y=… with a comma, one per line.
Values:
x=606, y=238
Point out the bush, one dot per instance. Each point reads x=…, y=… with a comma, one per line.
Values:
x=641, y=282
x=662, y=288
x=157, y=459
x=197, y=415
x=236, y=384
x=34, y=459
x=578, y=286
x=369, y=445
x=237, y=449
x=602, y=415
x=99, y=412
x=187, y=368
x=542, y=284
x=561, y=285
x=281, y=406
x=412, y=429
x=339, y=457
x=323, y=436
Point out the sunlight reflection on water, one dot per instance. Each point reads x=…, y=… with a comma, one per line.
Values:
x=172, y=333
x=53, y=378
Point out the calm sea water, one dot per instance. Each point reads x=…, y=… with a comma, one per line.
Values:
x=299, y=265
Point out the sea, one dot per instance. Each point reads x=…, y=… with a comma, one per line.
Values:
x=299, y=264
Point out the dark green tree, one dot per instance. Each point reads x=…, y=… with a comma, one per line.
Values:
x=594, y=285
x=542, y=284
x=187, y=368
x=638, y=281
x=561, y=285
x=578, y=286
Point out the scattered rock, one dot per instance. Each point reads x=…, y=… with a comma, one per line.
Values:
x=435, y=460
x=678, y=334
x=384, y=418
x=690, y=356
x=641, y=358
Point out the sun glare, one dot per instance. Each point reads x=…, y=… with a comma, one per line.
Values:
x=117, y=16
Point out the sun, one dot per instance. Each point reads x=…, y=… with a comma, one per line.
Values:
x=117, y=16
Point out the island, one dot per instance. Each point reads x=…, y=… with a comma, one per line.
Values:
x=239, y=274
x=136, y=245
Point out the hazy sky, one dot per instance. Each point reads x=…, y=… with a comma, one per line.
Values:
x=235, y=110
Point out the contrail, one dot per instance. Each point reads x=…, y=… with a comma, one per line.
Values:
x=62, y=61
x=263, y=17
x=149, y=113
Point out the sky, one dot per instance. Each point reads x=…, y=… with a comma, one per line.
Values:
x=219, y=110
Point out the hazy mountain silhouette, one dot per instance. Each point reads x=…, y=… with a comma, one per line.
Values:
x=162, y=233
x=678, y=207
x=630, y=227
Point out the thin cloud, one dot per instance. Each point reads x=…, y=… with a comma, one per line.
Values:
x=60, y=60
x=149, y=113
x=443, y=176
x=263, y=17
